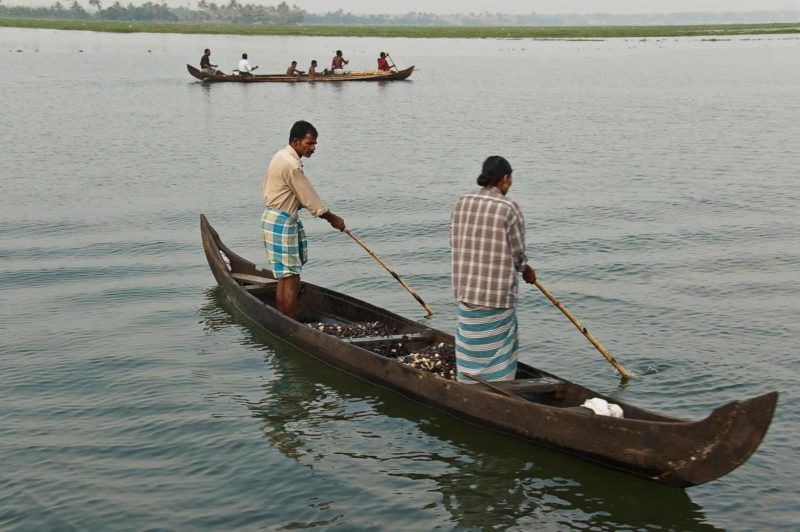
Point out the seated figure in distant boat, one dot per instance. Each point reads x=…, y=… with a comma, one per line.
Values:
x=338, y=62
x=383, y=64
x=484, y=275
x=293, y=71
x=205, y=63
x=312, y=70
x=244, y=67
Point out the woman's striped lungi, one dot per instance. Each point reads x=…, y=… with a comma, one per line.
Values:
x=486, y=343
x=284, y=241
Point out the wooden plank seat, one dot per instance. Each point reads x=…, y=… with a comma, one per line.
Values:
x=539, y=385
x=251, y=282
x=413, y=337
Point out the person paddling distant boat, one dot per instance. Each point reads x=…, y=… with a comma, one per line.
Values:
x=383, y=64
x=293, y=71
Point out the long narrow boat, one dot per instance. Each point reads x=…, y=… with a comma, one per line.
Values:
x=538, y=406
x=355, y=75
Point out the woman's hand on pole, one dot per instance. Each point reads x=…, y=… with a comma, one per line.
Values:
x=528, y=275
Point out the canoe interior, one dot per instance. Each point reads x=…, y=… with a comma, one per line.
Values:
x=317, y=305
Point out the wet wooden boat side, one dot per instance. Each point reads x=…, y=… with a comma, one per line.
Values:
x=665, y=449
x=365, y=75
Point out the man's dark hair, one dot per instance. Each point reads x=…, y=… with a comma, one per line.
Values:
x=300, y=129
x=494, y=168
x=244, y=56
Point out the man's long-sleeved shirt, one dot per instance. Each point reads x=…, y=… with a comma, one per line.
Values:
x=287, y=188
x=487, y=241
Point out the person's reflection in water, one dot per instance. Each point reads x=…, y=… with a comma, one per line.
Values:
x=288, y=397
x=286, y=406
x=483, y=479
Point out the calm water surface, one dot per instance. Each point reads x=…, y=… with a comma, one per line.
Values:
x=660, y=184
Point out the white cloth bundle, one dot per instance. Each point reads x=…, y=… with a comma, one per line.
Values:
x=601, y=407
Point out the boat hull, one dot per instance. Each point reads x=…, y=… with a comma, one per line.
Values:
x=398, y=75
x=668, y=450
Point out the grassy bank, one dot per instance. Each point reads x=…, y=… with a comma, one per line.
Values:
x=527, y=32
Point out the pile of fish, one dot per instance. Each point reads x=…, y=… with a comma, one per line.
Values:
x=439, y=359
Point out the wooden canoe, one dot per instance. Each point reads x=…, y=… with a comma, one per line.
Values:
x=538, y=406
x=355, y=75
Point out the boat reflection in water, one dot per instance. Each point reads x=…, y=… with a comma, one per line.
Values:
x=411, y=459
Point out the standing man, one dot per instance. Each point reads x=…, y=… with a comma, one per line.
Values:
x=487, y=241
x=244, y=67
x=286, y=191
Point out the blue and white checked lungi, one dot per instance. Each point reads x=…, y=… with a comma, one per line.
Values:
x=284, y=241
x=486, y=343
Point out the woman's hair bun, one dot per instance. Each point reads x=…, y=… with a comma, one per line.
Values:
x=494, y=168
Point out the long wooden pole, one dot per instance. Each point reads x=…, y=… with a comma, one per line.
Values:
x=394, y=274
x=622, y=371
x=392, y=60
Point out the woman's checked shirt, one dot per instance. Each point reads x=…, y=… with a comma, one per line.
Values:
x=487, y=241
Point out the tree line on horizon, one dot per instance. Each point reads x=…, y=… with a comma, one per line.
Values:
x=283, y=14
x=232, y=13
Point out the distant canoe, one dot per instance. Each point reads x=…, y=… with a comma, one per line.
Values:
x=355, y=75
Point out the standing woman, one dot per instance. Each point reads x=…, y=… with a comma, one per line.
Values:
x=487, y=241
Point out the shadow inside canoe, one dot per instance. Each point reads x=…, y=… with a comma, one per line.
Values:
x=313, y=413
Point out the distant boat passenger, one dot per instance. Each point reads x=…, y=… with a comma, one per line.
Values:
x=205, y=63
x=312, y=70
x=244, y=67
x=292, y=70
x=383, y=64
x=338, y=62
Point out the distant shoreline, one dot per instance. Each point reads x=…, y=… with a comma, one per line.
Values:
x=423, y=32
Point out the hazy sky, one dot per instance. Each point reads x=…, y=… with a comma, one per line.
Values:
x=493, y=6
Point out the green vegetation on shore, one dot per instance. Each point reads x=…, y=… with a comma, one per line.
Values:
x=430, y=32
